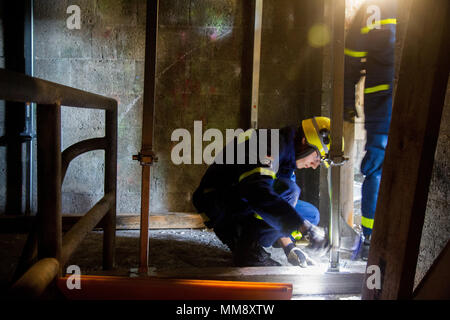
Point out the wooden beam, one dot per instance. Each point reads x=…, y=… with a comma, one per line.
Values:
x=109, y=220
x=307, y=281
x=151, y=35
x=248, y=35
x=36, y=280
x=407, y=168
x=85, y=224
x=48, y=122
x=435, y=285
x=169, y=220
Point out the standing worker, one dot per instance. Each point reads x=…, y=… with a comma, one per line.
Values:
x=251, y=206
x=370, y=46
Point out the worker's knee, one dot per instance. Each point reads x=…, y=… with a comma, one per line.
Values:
x=308, y=212
x=372, y=162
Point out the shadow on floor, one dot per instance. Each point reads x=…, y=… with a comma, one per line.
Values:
x=169, y=249
x=166, y=250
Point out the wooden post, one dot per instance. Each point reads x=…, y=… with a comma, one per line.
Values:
x=49, y=180
x=407, y=168
x=109, y=229
x=86, y=224
x=435, y=284
x=147, y=127
x=248, y=22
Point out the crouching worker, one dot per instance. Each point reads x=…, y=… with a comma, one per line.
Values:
x=252, y=201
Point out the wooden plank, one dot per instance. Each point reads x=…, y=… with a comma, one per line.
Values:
x=48, y=122
x=85, y=224
x=170, y=220
x=435, y=284
x=248, y=36
x=109, y=220
x=306, y=281
x=416, y=118
x=36, y=280
x=22, y=88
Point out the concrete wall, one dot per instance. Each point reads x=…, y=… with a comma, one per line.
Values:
x=436, y=228
x=199, y=77
x=105, y=57
x=291, y=72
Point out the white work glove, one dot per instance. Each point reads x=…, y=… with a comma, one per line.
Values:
x=318, y=241
x=299, y=258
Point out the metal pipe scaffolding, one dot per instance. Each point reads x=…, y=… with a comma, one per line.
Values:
x=336, y=152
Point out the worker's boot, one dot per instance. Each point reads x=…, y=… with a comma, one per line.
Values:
x=365, y=248
x=252, y=255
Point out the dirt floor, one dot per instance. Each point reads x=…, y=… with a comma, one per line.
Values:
x=172, y=248
x=169, y=249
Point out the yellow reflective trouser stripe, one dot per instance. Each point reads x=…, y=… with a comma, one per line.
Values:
x=355, y=54
x=261, y=171
x=367, y=223
x=297, y=235
x=366, y=30
x=381, y=87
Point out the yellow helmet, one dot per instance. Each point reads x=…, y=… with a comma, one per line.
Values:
x=317, y=132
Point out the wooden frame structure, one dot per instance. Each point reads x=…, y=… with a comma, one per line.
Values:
x=408, y=165
x=46, y=239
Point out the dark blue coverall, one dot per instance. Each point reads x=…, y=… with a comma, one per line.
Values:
x=232, y=195
x=371, y=37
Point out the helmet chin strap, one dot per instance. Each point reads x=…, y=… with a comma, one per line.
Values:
x=322, y=135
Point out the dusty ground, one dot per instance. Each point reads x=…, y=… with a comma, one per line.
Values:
x=172, y=248
x=169, y=249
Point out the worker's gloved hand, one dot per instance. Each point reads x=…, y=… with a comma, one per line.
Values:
x=319, y=244
x=297, y=257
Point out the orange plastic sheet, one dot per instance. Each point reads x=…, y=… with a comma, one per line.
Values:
x=124, y=288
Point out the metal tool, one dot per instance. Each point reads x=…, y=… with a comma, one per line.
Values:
x=344, y=239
